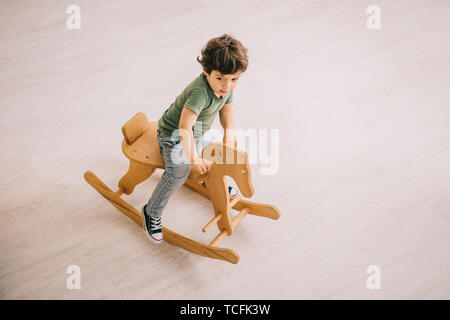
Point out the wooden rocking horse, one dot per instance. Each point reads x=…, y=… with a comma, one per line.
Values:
x=141, y=147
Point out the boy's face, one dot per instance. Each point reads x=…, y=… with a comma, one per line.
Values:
x=221, y=84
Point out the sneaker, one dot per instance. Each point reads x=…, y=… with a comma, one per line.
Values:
x=152, y=227
x=233, y=191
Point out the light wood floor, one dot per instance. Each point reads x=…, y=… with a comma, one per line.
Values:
x=364, y=152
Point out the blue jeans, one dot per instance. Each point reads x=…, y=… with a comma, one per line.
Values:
x=176, y=172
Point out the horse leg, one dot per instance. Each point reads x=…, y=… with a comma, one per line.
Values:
x=137, y=173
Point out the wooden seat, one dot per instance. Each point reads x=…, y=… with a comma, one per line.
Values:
x=143, y=147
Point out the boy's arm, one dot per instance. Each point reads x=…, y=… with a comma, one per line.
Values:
x=187, y=121
x=226, y=116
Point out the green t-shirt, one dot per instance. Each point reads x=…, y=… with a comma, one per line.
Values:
x=198, y=97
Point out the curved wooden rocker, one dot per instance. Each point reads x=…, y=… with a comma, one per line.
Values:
x=141, y=147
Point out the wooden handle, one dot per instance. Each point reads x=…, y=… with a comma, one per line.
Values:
x=240, y=216
x=219, y=238
x=235, y=200
x=211, y=223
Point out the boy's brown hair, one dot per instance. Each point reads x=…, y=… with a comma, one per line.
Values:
x=224, y=54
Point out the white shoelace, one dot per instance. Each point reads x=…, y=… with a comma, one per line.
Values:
x=155, y=223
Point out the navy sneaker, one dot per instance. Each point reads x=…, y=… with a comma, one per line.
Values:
x=152, y=227
x=231, y=190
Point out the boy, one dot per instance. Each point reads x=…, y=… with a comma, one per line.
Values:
x=223, y=60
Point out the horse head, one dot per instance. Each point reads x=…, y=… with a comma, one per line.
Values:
x=231, y=162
